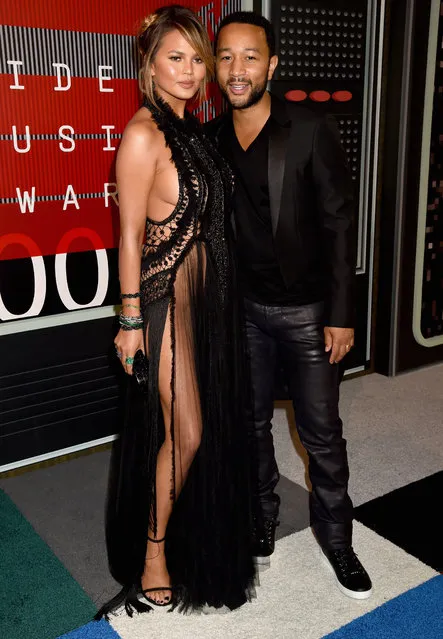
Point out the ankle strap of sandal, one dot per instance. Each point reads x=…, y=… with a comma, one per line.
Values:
x=156, y=541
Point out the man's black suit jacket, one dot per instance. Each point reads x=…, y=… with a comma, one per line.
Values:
x=312, y=203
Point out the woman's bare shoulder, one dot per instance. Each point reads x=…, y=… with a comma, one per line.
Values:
x=141, y=132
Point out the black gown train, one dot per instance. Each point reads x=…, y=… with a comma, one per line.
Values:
x=192, y=325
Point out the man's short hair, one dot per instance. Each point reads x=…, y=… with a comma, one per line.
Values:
x=256, y=20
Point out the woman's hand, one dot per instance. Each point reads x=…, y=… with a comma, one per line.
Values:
x=127, y=343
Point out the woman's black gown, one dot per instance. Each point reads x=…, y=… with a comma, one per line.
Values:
x=188, y=298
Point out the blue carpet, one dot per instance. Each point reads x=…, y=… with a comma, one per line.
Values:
x=93, y=630
x=417, y=614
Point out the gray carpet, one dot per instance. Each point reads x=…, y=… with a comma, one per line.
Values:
x=394, y=428
x=65, y=505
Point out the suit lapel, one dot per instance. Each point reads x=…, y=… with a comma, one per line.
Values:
x=278, y=144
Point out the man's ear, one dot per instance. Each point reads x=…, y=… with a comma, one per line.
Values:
x=272, y=66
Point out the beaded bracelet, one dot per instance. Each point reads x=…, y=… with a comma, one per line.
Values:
x=124, y=327
x=124, y=322
x=130, y=322
x=130, y=295
x=130, y=319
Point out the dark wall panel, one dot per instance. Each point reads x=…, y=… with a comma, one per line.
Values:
x=322, y=47
x=410, y=318
x=59, y=387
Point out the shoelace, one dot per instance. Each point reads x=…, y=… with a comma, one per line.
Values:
x=268, y=527
x=268, y=531
x=348, y=561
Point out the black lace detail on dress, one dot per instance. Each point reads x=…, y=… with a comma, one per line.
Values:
x=205, y=186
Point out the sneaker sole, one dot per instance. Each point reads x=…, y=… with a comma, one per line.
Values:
x=262, y=561
x=353, y=594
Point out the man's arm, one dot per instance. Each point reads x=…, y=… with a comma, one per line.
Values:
x=336, y=202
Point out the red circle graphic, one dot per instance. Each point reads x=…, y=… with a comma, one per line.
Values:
x=342, y=96
x=320, y=96
x=296, y=95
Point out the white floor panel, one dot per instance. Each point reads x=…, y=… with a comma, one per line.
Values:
x=297, y=598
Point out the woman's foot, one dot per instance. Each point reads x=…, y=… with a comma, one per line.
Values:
x=156, y=574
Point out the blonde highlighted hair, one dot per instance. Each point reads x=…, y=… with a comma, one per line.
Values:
x=151, y=34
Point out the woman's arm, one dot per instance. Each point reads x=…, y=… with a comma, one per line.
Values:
x=136, y=168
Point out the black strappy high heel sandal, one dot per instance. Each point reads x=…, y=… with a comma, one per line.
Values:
x=167, y=602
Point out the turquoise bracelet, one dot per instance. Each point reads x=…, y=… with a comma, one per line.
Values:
x=130, y=322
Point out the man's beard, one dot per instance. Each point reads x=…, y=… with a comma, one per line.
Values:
x=254, y=97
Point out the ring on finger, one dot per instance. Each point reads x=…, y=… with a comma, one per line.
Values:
x=129, y=361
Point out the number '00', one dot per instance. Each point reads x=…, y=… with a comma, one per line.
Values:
x=61, y=277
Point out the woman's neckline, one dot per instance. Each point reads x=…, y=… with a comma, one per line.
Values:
x=163, y=109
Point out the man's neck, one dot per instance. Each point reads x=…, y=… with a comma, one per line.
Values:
x=255, y=116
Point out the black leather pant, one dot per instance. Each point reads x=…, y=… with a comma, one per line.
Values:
x=294, y=337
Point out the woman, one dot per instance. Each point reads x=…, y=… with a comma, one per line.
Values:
x=179, y=519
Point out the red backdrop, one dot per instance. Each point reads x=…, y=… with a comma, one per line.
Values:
x=68, y=88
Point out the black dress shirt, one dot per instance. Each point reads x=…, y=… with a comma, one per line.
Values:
x=260, y=277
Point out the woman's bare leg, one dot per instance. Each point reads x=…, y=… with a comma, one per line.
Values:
x=187, y=436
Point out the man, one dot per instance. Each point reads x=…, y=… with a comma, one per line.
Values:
x=293, y=214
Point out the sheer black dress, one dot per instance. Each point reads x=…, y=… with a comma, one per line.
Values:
x=189, y=304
